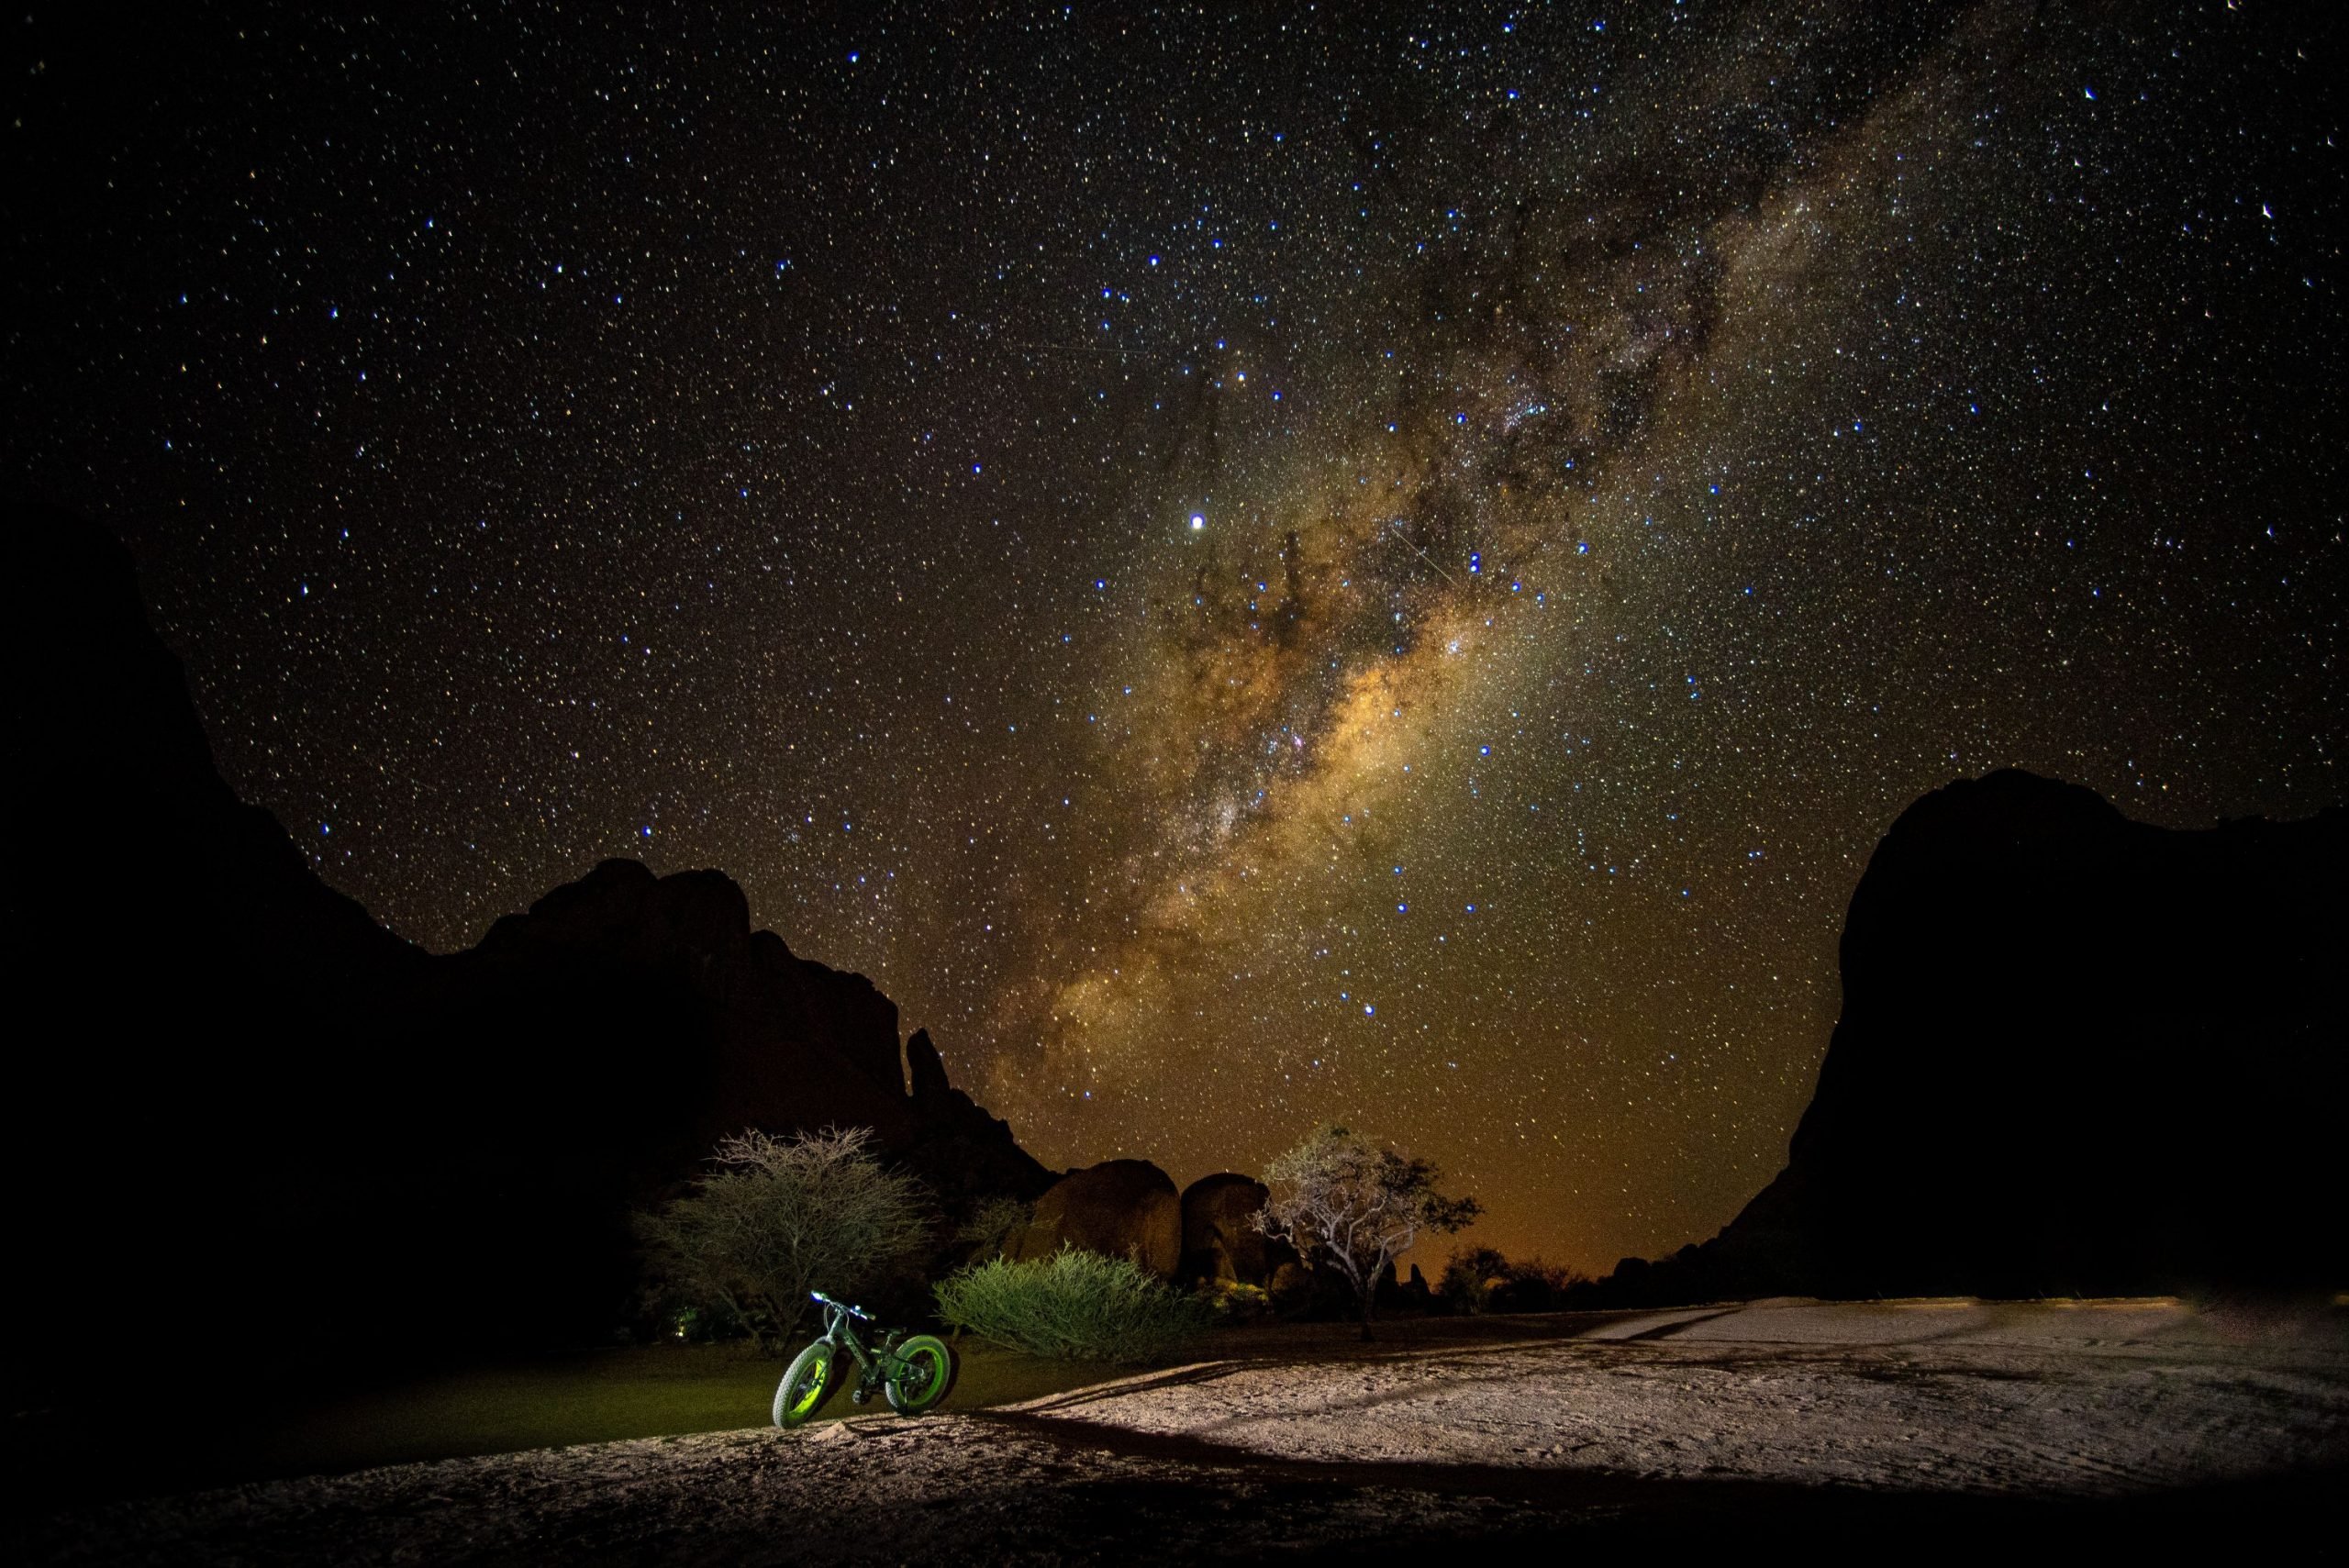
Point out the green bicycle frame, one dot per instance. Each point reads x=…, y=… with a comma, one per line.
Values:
x=875, y=1366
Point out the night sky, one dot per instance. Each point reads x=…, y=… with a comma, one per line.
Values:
x=1376, y=563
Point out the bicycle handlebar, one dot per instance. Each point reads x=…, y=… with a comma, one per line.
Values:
x=859, y=1311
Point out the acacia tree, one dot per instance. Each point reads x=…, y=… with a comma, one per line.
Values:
x=1340, y=1200
x=781, y=1215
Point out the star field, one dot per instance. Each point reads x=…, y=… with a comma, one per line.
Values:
x=1383, y=564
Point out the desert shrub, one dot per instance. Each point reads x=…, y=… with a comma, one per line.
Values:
x=1229, y=1303
x=1480, y=1279
x=780, y=1216
x=1072, y=1306
x=1531, y=1284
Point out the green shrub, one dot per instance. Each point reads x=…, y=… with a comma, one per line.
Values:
x=1231, y=1303
x=1073, y=1307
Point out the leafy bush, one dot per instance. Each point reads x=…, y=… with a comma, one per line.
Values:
x=1536, y=1286
x=1230, y=1304
x=1483, y=1280
x=1074, y=1305
x=1470, y=1277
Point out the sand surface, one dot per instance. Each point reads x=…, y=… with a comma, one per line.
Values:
x=1939, y=1421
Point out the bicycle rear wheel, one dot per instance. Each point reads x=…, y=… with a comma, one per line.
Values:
x=923, y=1376
x=805, y=1384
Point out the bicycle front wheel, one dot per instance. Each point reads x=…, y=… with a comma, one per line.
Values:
x=924, y=1374
x=805, y=1384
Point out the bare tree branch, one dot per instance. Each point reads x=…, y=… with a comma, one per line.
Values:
x=779, y=1217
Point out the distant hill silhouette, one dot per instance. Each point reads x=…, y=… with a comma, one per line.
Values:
x=2078, y=1055
x=241, y=1109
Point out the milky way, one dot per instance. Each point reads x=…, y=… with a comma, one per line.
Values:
x=1249, y=569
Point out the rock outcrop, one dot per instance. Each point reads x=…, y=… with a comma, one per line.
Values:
x=363, y=1141
x=1220, y=1241
x=2077, y=1054
x=964, y=1154
x=1121, y=1208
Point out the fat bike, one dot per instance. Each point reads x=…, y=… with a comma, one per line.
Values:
x=915, y=1372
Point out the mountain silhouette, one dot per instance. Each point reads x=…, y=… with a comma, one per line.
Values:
x=2078, y=1055
x=244, y=1113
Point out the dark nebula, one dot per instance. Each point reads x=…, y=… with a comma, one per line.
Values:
x=1249, y=567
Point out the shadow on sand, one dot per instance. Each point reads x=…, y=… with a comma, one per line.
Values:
x=1300, y=1509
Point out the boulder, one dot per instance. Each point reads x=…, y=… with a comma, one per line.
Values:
x=1220, y=1241
x=1119, y=1207
x=1290, y=1288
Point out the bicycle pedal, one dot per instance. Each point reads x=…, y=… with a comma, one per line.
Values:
x=859, y=1395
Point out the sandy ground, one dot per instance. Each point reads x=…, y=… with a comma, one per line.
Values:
x=1930, y=1423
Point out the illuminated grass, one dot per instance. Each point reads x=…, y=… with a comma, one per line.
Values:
x=652, y=1391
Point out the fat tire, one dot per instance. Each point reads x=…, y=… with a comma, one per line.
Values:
x=937, y=1354
x=820, y=1357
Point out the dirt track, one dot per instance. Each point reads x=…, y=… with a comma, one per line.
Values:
x=1937, y=1420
